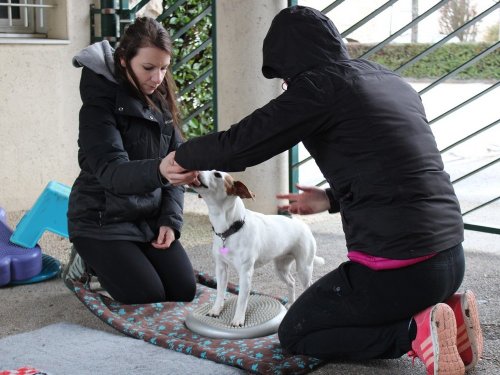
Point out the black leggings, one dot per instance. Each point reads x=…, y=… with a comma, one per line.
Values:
x=135, y=272
x=355, y=313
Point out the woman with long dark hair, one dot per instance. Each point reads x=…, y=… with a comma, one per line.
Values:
x=124, y=218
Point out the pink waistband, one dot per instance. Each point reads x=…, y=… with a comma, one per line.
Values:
x=379, y=263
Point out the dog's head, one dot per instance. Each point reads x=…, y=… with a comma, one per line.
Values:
x=220, y=185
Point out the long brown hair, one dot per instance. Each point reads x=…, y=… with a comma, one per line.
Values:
x=147, y=32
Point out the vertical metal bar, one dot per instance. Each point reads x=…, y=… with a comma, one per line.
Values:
x=293, y=153
x=9, y=13
x=117, y=26
x=293, y=172
x=26, y=24
x=92, y=23
x=41, y=14
x=214, y=66
x=414, y=14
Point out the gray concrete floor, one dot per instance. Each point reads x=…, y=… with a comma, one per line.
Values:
x=29, y=307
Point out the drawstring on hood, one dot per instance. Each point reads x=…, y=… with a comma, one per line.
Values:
x=98, y=57
x=297, y=42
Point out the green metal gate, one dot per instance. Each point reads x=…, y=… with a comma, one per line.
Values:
x=489, y=198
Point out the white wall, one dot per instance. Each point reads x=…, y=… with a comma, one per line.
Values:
x=39, y=104
x=241, y=28
x=40, y=101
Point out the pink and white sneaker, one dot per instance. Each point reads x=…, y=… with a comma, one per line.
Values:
x=469, y=333
x=436, y=341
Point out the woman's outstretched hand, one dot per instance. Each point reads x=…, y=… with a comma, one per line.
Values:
x=311, y=200
x=175, y=174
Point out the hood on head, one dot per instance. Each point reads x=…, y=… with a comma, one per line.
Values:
x=300, y=38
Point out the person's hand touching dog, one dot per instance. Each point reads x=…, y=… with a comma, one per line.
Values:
x=175, y=174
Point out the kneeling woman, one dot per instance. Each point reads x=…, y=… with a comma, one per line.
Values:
x=124, y=219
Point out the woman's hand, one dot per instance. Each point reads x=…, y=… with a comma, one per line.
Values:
x=175, y=174
x=312, y=200
x=165, y=238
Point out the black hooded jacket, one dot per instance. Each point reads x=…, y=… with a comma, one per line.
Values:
x=364, y=126
x=119, y=193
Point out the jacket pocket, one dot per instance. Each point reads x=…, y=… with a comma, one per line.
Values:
x=133, y=207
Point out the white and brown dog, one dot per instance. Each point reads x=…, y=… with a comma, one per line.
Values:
x=247, y=240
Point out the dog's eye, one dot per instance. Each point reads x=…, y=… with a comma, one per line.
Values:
x=218, y=175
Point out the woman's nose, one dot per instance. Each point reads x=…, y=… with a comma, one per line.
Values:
x=157, y=77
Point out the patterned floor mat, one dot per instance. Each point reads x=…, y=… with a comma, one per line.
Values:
x=162, y=324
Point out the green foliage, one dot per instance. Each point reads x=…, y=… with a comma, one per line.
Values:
x=436, y=64
x=192, y=99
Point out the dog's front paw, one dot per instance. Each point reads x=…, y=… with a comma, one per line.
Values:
x=214, y=312
x=238, y=322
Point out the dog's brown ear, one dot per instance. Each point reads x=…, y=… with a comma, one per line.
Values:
x=241, y=190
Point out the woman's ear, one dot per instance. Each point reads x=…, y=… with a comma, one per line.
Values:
x=122, y=62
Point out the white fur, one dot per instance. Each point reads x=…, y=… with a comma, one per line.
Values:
x=262, y=238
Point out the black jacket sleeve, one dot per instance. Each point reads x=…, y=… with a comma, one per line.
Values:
x=268, y=131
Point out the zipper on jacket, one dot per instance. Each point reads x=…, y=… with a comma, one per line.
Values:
x=100, y=218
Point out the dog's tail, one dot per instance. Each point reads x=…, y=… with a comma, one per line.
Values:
x=319, y=260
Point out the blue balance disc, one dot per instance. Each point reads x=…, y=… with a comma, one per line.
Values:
x=51, y=268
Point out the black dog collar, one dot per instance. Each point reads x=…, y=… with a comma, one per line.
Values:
x=235, y=227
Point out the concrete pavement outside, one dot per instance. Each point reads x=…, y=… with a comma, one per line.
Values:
x=29, y=307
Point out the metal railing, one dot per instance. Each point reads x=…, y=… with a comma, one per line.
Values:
x=295, y=164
